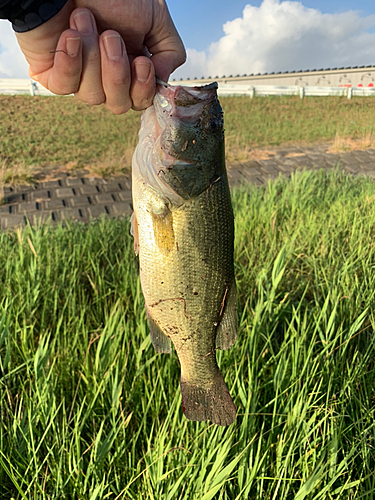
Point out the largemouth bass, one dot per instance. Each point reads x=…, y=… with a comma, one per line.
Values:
x=183, y=230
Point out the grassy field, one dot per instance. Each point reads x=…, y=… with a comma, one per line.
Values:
x=60, y=131
x=89, y=411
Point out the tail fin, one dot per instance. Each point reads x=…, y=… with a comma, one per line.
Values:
x=212, y=402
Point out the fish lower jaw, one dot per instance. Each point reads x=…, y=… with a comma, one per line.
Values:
x=168, y=161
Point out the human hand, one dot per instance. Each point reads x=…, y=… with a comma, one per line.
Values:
x=100, y=51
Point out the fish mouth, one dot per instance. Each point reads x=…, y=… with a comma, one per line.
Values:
x=157, y=165
x=183, y=104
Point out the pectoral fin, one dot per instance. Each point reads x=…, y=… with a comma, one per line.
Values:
x=134, y=232
x=159, y=340
x=226, y=332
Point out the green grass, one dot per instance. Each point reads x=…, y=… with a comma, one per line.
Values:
x=89, y=411
x=60, y=131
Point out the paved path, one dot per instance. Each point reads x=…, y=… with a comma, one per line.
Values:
x=81, y=197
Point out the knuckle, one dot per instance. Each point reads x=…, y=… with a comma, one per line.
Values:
x=66, y=88
x=182, y=58
x=120, y=80
x=142, y=104
x=94, y=99
x=118, y=109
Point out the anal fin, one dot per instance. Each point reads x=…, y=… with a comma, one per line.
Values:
x=226, y=333
x=159, y=340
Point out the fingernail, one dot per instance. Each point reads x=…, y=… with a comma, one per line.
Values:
x=72, y=46
x=113, y=47
x=84, y=22
x=142, y=72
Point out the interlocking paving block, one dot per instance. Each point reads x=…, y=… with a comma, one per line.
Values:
x=68, y=213
x=39, y=195
x=54, y=203
x=120, y=208
x=124, y=195
x=270, y=163
x=269, y=169
x=27, y=207
x=365, y=166
x=96, y=210
x=252, y=164
x=24, y=188
x=15, y=197
x=259, y=181
x=371, y=173
x=64, y=192
x=11, y=221
x=286, y=167
x=40, y=218
x=81, y=198
x=317, y=165
x=103, y=198
x=360, y=159
x=352, y=169
x=87, y=189
x=111, y=187
x=268, y=177
x=77, y=201
x=74, y=181
x=125, y=182
x=122, y=178
x=250, y=175
x=297, y=161
x=314, y=156
x=94, y=180
x=50, y=184
x=236, y=177
x=332, y=156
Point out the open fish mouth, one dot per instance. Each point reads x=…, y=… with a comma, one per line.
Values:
x=172, y=120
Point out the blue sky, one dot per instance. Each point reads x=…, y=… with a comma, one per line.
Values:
x=258, y=36
x=201, y=22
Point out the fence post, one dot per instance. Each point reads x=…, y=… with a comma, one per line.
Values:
x=301, y=92
x=32, y=90
x=350, y=92
x=252, y=92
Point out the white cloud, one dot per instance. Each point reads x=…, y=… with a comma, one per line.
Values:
x=196, y=64
x=285, y=36
x=12, y=61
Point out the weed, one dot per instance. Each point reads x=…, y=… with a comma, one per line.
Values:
x=89, y=410
x=58, y=131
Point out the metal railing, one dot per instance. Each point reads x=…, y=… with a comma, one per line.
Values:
x=15, y=86
x=268, y=90
x=11, y=86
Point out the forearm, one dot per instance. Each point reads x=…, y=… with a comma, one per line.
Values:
x=29, y=14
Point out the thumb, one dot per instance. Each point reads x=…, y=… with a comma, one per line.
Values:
x=164, y=44
x=167, y=61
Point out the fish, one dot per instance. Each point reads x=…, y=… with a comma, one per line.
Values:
x=183, y=229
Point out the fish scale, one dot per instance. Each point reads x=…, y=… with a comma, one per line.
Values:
x=185, y=243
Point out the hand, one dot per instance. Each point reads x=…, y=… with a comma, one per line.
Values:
x=100, y=51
